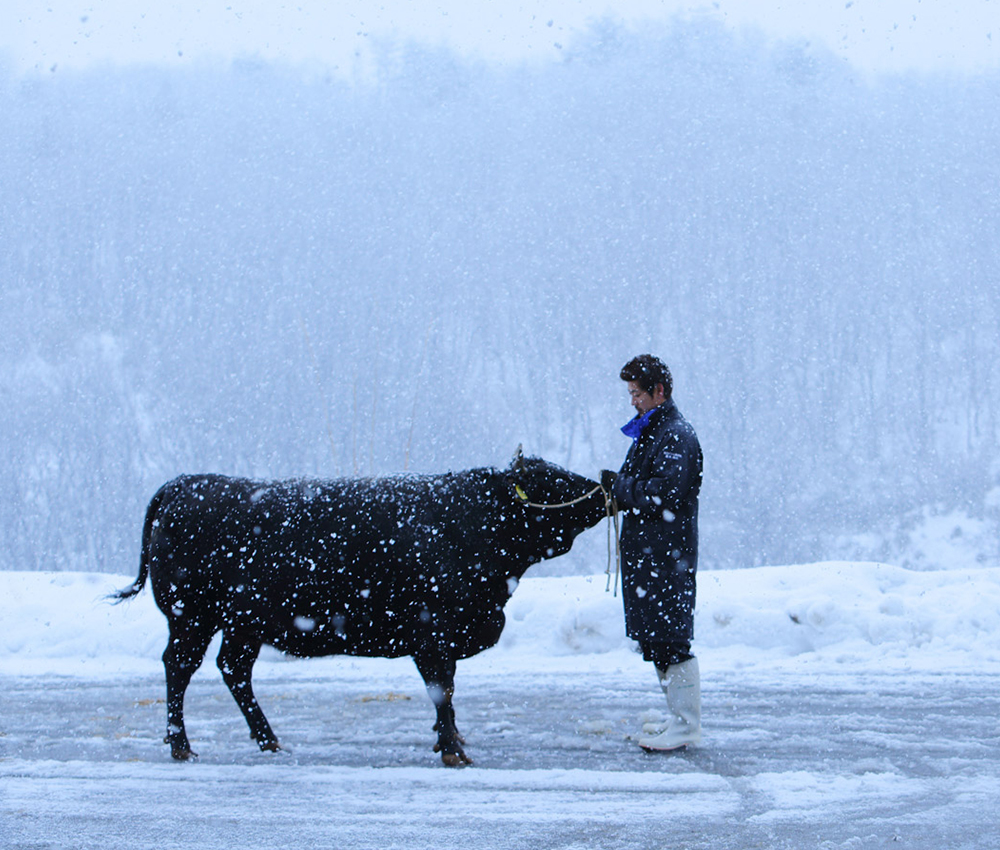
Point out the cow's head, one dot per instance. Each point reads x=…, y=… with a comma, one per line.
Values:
x=557, y=504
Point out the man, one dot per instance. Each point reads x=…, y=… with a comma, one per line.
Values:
x=657, y=492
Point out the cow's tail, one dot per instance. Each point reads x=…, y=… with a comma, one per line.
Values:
x=147, y=532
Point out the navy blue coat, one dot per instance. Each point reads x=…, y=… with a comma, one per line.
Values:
x=657, y=492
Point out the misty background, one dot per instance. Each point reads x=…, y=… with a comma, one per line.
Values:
x=262, y=269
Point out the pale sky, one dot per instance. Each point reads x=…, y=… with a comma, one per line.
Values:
x=875, y=35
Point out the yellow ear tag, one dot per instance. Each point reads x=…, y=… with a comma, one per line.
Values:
x=520, y=493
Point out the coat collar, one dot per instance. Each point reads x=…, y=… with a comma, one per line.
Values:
x=635, y=426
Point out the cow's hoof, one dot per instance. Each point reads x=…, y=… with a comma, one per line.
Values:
x=455, y=759
x=180, y=749
x=270, y=747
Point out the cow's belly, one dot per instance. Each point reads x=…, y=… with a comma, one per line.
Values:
x=309, y=635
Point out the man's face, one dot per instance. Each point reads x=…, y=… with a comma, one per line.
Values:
x=642, y=401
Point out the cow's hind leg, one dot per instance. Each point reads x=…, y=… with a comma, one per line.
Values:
x=236, y=660
x=184, y=653
x=438, y=673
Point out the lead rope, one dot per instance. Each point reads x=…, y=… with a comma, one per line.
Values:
x=611, y=507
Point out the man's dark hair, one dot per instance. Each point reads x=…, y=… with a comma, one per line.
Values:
x=648, y=371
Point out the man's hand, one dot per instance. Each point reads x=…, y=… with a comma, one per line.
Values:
x=608, y=480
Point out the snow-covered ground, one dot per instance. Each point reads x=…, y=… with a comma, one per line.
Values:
x=845, y=705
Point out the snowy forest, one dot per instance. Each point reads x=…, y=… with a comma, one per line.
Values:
x=277, y=271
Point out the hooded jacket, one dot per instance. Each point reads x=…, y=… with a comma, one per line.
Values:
x=657, y=490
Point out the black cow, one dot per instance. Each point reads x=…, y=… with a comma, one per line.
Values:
x=417, y=565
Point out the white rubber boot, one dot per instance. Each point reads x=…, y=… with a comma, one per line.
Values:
x=682, y=685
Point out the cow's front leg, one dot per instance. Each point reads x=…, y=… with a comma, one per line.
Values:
x=236, y=659
x=438, y=672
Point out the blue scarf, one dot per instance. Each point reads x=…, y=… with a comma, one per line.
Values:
x=635, y=426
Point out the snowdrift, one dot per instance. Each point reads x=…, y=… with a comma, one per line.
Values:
x=835, y=615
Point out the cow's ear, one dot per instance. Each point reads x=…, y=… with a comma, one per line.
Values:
x=515, y=475
x=513, y=479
